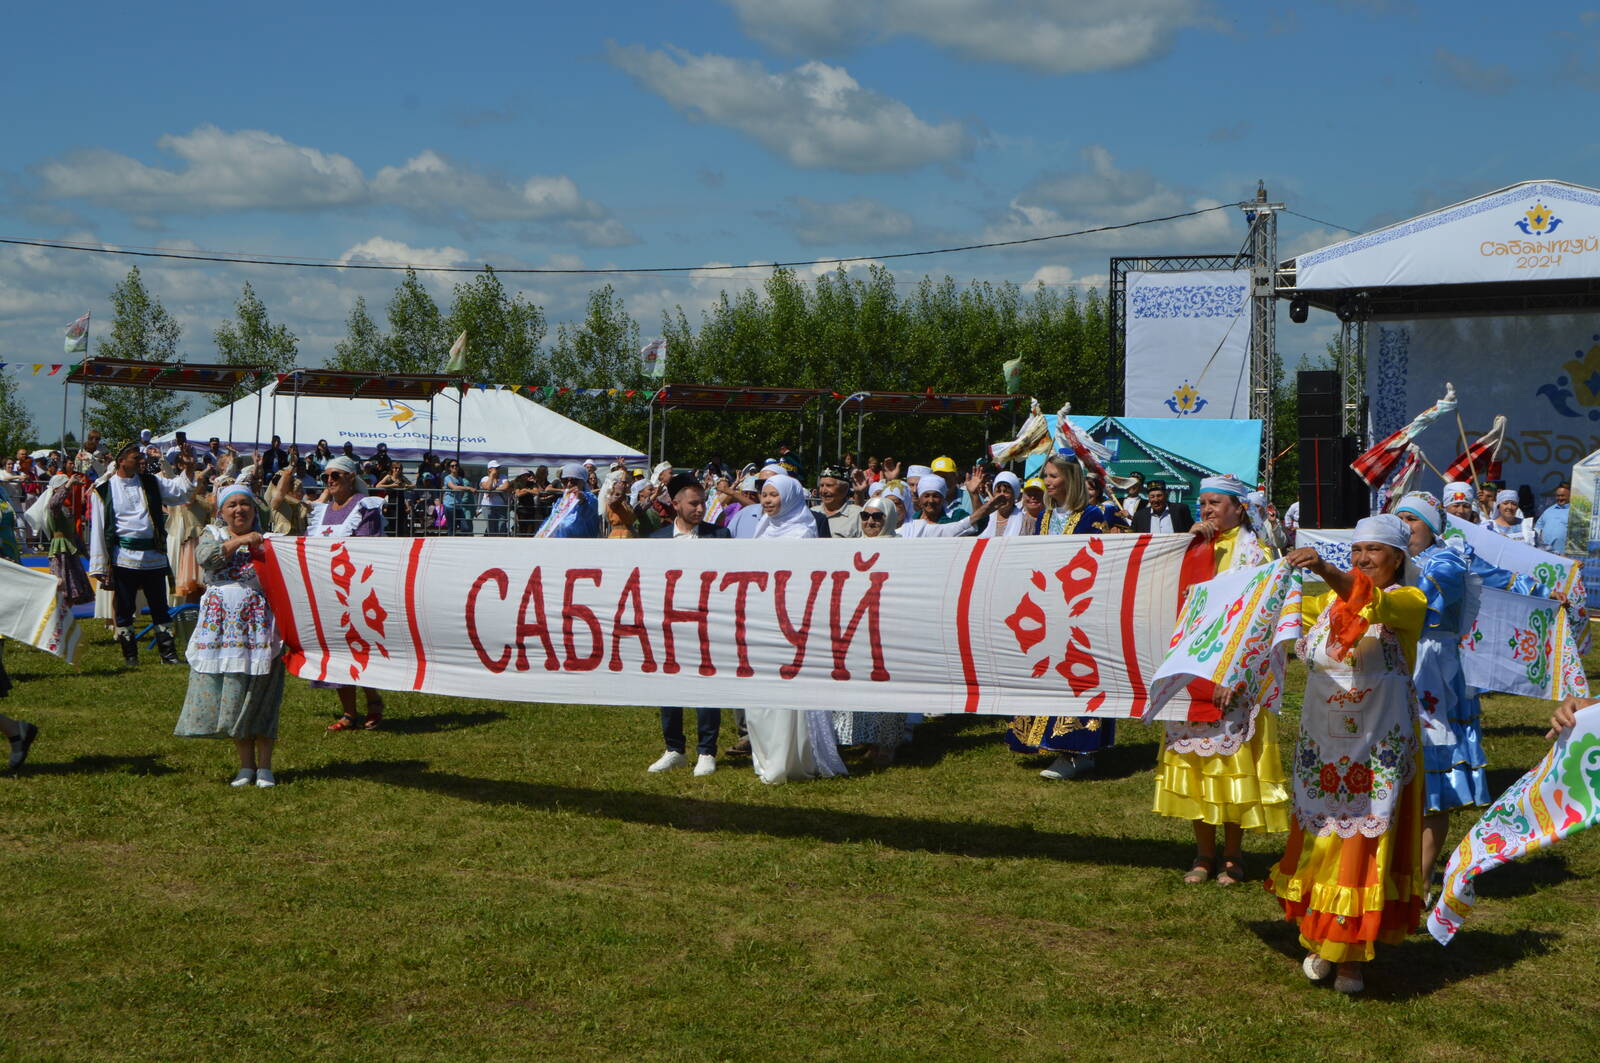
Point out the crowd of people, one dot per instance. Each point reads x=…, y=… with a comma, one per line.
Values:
x=1389, y=740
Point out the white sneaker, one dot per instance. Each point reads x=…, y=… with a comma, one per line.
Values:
x=264, y=778
x=1315, y=967
x=705, y=764
x=1062, y=768
x=669, y=760
x=246, y=777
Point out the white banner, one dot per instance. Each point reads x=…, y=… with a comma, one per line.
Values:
x=1188, y=342
x=31, y=611
x=1541, y=230
x=1551, y=401
x=1070, y=625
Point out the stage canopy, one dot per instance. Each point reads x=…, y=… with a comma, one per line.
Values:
x=1499, y=295
x=497, y=424
x=1533, y=246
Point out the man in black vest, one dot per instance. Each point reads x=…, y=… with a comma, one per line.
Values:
x=1161, y=516
x=128, y=544
x=689, y=510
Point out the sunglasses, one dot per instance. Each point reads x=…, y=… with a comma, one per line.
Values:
x=876, y=518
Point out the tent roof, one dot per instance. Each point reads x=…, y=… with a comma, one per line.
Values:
x=169, y=376
x=346, y=385
x=711, y=397
x=1526, y=247
x=494, y=424
x=924, y=402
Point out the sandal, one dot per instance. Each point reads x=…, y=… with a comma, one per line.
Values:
x=1202, y=869
x=374, y=718
x=346, y=722
x=1232, y=870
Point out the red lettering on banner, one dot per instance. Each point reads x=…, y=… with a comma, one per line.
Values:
x=700, y=617
x=498, y=578
x=636, y=630
x=798, y=637
x=742, y=580
x=534, y=592
x=869, y=606
x=570, y=612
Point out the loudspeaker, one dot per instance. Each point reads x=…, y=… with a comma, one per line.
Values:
x=1331, y=494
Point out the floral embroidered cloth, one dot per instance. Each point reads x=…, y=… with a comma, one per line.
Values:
x=1559, y=797
x=234, y=630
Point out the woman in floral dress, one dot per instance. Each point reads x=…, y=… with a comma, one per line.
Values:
x=235, y=659
x=1352, y=874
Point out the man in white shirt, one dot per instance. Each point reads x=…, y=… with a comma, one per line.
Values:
x=128, y=544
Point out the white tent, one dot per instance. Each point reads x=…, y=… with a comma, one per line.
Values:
x=497, y=424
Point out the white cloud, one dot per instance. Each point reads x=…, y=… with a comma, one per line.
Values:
x=1050, y=276
x=1050, y=36
x=846, y=221
x=1101, y=194
x=382, y=250
x=817, y=116
x=254, y=170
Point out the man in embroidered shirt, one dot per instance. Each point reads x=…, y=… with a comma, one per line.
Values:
x=128, y=544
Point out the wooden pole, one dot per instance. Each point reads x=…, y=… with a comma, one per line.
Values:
x=1466, y=448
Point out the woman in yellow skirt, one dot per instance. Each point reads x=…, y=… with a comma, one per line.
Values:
x=1351, y=873
x=1225, y=771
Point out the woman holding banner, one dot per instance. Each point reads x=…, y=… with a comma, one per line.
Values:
x=346, y=509
x=1453, y=761
x=1074, y=739
x=1352, y=872
x=1224, y=771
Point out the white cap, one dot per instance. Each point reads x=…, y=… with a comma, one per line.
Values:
x=588, y=463
x=494, y=465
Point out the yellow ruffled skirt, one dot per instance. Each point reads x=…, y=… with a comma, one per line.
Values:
x=1350, y=893
x=1246, y=787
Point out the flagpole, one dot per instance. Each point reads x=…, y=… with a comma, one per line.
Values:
x=1467, y=449
x=1430, y=465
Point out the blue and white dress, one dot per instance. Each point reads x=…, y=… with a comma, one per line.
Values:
x=1453, y=760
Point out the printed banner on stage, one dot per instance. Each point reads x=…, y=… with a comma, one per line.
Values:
x=1551, y=402
x=1228, y=633
x=1187, y=344
x=1069, y=625
x=1559, y=797
x=31, y=611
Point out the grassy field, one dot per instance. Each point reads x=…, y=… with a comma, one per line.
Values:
x=486, y=880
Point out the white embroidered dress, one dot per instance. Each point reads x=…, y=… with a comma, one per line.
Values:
x=234, y=632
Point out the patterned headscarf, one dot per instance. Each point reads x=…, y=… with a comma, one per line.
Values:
x=1424, y=506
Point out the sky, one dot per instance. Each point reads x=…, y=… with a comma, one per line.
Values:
x=613, y=135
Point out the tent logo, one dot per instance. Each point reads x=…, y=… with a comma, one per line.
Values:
x=399, y=413
x=1186, y=400
x=1538, y=220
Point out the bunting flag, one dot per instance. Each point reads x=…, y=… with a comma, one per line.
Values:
x=457, y=362
x=653, y=357
x=31, y=611
x=1480, y=459
x=1558, y=798
x=1377, y=464
x=77, y=337
x=1032, y=625
x=1230, y=632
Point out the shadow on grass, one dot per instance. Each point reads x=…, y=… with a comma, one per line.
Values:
x=76, y=673
x=978, y=839
x=1524, y=876
x=1516, y=730
x=1419, y=966
x=100, y=764
x=439, y=721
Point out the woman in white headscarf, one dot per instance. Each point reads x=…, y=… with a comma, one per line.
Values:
x=1008, y=519
x=1508, y=519
x=790, y=744
x=1351, y=875
x=881, y=732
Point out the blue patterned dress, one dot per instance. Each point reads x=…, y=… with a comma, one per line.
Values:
x=1078, y=735
x=1452, y=738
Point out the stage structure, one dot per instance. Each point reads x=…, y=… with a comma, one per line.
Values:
x=1499, y=295
x=1194, y=336
x=928, y=402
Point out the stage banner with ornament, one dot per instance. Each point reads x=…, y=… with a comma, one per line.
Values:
x=1188, y=342
x=1069, y=625
x=1555, y=800
x=1541, y=371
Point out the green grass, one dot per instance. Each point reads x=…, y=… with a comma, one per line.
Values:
x=487, y=880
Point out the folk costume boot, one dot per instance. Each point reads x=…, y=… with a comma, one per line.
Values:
x=129, y=644
x=165, y=646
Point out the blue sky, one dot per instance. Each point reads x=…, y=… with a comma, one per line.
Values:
x=741, y=131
